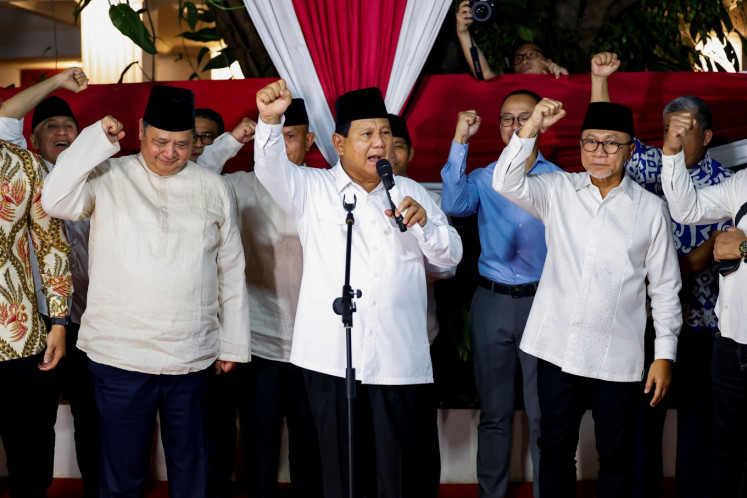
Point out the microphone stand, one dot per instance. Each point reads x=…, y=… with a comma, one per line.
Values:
x=345, y=307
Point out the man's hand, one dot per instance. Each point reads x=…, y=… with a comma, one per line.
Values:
x=660, y=374
x=552, y=68
x=272, y=101
x=680, y=124
x=55, y=348
x=113, y=128
x=604, y=64
x=415, y=212
x=468, y=123
x=73, y=79
x=463, y=18
x=244, y=131
x=222, y=366
x=727, y=244
x=545, y=114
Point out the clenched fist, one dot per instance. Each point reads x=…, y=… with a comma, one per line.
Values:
x=113, y=128
x=272, y=101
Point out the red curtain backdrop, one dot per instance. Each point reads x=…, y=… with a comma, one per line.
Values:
x=431, y=115
x=344, y=59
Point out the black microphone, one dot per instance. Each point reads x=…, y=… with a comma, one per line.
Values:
x=384, y=169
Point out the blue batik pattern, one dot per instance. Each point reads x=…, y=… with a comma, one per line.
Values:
x=699, y=291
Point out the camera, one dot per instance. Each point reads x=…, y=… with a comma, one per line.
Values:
x=482, y=10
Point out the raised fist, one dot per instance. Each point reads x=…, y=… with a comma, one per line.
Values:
x=604, y=64
x=244, y=131
x=114, y=129
x=73, y=79
x=545, y=114
x=272, y=101
x=468, y=123
x=680, y=124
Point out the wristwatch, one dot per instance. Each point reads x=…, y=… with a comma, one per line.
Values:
x=63, y=320
x=743, y=250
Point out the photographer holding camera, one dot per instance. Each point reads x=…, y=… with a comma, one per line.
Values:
x=528, y=57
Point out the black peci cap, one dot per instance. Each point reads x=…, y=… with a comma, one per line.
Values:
x=366, y=103
x=49, y=108
x=170, y=108
x=609, y=116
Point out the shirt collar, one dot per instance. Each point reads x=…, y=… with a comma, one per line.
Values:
x=342, y=180
x=626, y=184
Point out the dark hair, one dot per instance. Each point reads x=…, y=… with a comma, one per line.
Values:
x=528, y=93
x=343, y=128
x=698, y=107
x=212, y=115
x=521, y=43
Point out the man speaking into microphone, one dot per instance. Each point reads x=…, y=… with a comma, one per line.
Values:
x=389, y=336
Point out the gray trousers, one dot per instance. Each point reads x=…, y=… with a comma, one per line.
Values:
x=496, y=325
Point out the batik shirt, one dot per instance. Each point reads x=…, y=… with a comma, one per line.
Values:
x=22, y=333
x=700, y=290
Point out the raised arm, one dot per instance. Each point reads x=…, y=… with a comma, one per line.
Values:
x=602, y=66
x=510, y=177
x=73, y=79
x=66, y=194
x=707, y=205
x=226, y=146
x=463, y=22
x=274, y=170
x=459, y=194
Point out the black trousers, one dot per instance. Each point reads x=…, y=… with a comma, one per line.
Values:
x=77, y=386
x=27, y=418
x=263, y=392
x=395, y=435
x=729, y=429
x=563, y=400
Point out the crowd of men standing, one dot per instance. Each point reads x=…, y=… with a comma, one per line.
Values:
x=190, y=296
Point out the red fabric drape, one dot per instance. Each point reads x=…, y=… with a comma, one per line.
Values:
x=352, y=42
x=432, y=113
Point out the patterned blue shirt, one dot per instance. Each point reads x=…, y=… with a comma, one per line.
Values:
x=699, y=291
x=512, y=242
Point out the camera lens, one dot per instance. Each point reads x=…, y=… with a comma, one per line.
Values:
x=481, y=11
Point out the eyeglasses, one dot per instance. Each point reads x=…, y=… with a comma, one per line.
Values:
x=528, y=55
x=610, y=147
x=508, y=120
x=206, y=138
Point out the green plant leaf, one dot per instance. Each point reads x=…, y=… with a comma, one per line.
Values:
x=191, y=14
x=224, y=59
x=203, y=35
x=179, y=56
x=121, y=76
x=218, y=4
x=525, y=33
x=46, y=50
x=126, y=20
x=194, y=76
x=205, y=16
x=203, y=52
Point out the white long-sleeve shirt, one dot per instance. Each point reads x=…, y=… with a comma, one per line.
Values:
x=167, y=292
x=11, y=130
x=711, y=205
x=589, y=314
x=390, y=340
x=274, y=258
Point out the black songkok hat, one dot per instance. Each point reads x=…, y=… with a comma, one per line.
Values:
x=399, y=128
x=49, y=108
x=366, y=103
x=609, y=116
x=170, y=108
x=295, y=114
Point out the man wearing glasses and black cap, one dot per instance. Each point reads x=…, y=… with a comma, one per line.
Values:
x=608, y=242
x=167, y=299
